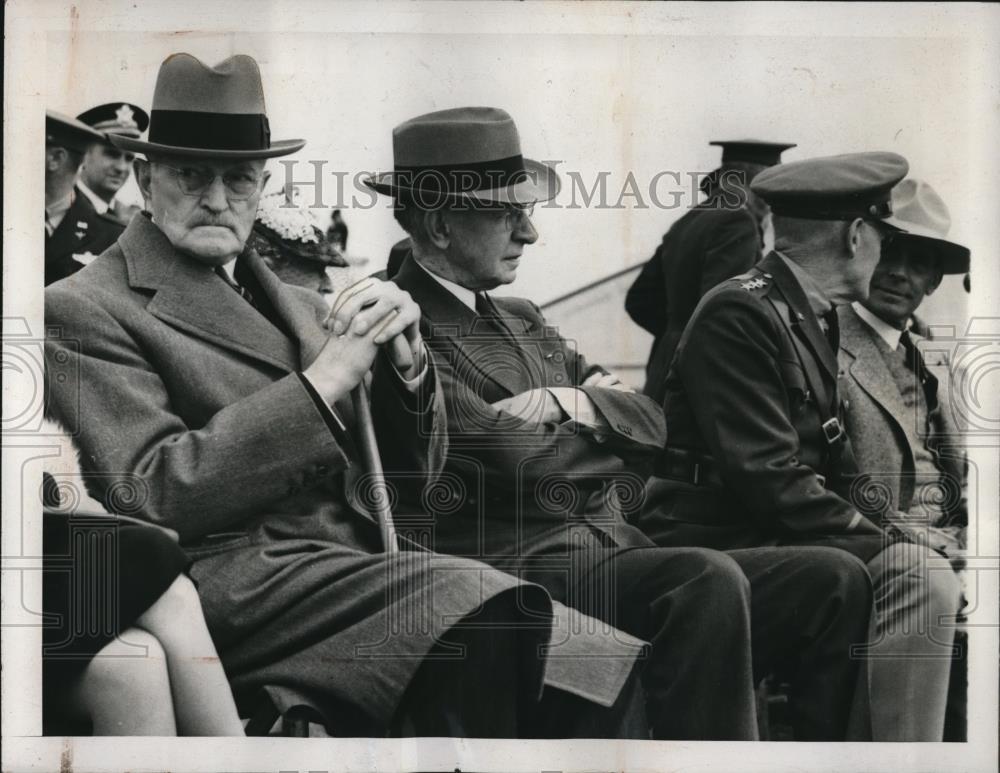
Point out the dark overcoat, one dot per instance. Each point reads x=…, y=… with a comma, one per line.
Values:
x=708, y=244
x=747, y=460
x=189, y=412
x=524, y=492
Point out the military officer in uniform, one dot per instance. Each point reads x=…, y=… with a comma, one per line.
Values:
x=75, y=233
x=717, y=239
x=106, y=168
x=756, y=453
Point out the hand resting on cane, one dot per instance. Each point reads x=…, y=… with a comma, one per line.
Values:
x=367, y=315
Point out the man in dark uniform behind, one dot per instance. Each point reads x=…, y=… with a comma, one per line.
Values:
x=106, y=168
x=75, y=233
x=717, y=239
x=756, y=453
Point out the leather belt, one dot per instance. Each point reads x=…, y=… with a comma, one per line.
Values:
x=688, y=467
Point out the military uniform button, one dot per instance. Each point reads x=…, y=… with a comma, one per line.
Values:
x=767, y=276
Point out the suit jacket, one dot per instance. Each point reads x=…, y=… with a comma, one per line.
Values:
x=80, y=237
x=708, y=244
x=875, y=413
x=525, y=494
x=747, y=395
x=189, y=412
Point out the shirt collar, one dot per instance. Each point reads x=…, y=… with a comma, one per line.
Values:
x=818, y=301
x=100, y=204
x=886, y=332
x=464, y=294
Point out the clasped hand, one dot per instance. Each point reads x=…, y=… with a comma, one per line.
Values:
x=365, y=316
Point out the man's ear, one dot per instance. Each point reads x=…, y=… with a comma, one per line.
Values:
x=853, y=236
x=143, y=177
x=437, y=229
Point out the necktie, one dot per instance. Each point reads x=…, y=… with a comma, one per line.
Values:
x=486, y=310
x=832, y=325
x=244, y=292
x=915, y=362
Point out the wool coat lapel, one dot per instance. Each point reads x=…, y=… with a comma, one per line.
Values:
x=192, y=297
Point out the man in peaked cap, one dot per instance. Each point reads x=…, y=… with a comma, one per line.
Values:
x=106, y=168
x=75, y=233
x=717, y=239
x=757, y=454
x=548, y=453
x=221, y=398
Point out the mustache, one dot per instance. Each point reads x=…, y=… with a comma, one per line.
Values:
x=222, y=222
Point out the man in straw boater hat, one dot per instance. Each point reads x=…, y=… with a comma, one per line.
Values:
x=212, y=398
x=717, y=239
x=757, y=452
x=75, y=233
x=106, y=168
x=549, y=452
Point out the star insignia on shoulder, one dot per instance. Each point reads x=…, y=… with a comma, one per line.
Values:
x=753, y=284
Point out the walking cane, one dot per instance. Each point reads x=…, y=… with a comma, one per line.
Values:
x=373, y=463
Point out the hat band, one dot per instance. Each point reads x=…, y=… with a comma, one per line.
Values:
x=808, y=211
x=209, y=131
x=463, y=178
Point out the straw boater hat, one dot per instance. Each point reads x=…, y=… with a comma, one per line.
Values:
x=918, y=210
x=464, y=153
x=209, y=112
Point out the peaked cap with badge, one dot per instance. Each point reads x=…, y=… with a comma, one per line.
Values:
x=116, y=118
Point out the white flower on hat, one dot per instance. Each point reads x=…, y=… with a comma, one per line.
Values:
x=295, y=222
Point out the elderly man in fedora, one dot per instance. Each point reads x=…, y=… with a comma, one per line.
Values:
x=547, y=454
x=212, y=398
x=757, y=453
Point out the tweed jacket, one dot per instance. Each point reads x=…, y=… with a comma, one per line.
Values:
x=706, y=245
x=747, y=462
x=875, y=413
x=189, y=412
x=525, y=493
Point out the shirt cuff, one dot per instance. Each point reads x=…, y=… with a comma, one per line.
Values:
x=413, y=384
x=333, y=422
x=576, y=404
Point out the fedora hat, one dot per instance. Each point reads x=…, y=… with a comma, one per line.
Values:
x=208, y=112
x=464, y=153
x=921, y=214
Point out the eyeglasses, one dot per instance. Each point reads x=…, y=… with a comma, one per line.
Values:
x=240, y=184
x=511, y=213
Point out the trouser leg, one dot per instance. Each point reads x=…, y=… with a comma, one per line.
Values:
x=693, y=606
x=492, y=689
x=916, y=599
x=809, y=606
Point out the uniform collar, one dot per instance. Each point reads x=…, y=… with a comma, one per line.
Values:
x=464, y=294
x=886, y=332
x=818, y=302
x=100, y=204
x=59, y=208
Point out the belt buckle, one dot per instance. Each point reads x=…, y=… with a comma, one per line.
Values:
x=832, y=430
